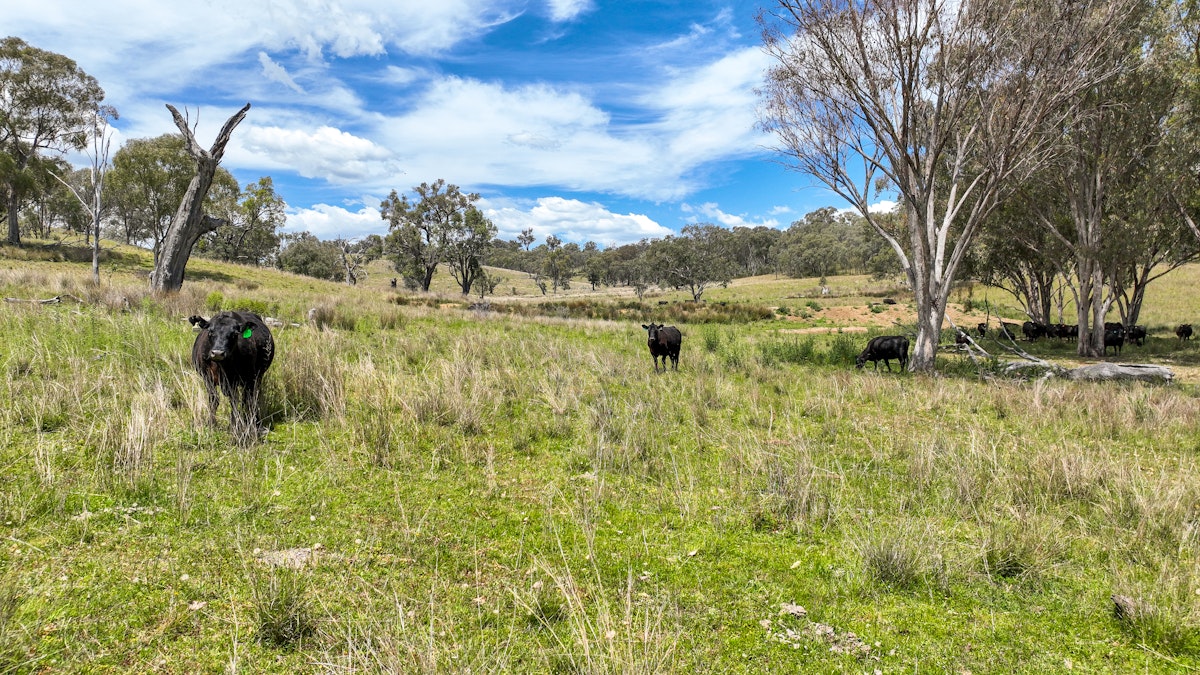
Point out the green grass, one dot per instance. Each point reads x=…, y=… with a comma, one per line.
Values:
x=444, y=489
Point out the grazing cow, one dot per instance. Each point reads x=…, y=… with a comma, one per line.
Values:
x=232, y=353
x=982, y=329
x=1115, y=338
x=1033, y=330
x=1008, y=330
x=1137, y=335
x=1184, y=332
x=664, y=341
x=961, y=338
x=884, y=348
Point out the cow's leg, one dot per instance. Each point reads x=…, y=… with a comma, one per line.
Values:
x=214, y=401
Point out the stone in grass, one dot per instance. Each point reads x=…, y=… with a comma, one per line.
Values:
x=1122, y=371
x=1126, y=608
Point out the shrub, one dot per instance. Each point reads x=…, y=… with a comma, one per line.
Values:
x=259, y=307
x=215, y=301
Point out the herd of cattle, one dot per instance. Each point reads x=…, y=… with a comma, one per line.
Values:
x=1115, y=333
x=233, y=350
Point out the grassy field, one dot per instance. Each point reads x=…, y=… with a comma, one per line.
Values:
x=446, y=489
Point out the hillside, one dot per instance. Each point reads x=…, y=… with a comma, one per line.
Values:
x=513, y=489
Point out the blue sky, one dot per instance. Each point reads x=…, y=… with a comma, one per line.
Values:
x=587, y=119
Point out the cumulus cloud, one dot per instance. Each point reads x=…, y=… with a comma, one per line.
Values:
x=325, y=153
x=335, y=222
x=570, y=220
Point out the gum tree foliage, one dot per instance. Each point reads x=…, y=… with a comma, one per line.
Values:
x=419, y=233
x=47, y=103
x=558, y=264
x=190, y=222
x=947, y=103
x=695, y=260
x=249, y=233
x=467, y=247
x=303, y=253
x=1107, y=183
x=817, y=246
x=148, y=180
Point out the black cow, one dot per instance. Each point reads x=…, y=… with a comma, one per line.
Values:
x=664, y=341
x=982, y=329
x=1008, y=330
x=884, y=348
x=1137, y=335
x=1184, y=332
x=232, y=353
x=1115, y=338
x=1033, y=330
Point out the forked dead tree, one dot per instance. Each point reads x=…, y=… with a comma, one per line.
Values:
x=190, y=222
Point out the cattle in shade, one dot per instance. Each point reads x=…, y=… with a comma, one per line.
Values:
x=1114, y=338
x=664, y=342
x=885, y=348
x=1033, y=330
x=232, y=353
x=1184, y=332
x=1136, y=335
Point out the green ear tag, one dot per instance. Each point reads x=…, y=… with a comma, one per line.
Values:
x=247, y=334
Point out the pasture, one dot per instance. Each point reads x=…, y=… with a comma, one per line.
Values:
x=446, y=489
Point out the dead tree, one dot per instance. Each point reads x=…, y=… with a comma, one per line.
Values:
x=190, y=222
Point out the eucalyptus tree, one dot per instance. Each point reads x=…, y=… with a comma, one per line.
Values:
x=47, y=103
x=420, y=232
x=1108, y=181
x=945, y=102
x=467, y=246
x=147, y=182
x=251, y=219
x=696, y=260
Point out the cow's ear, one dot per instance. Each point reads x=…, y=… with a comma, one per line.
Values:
x=645, y=327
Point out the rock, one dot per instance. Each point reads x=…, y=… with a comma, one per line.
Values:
x=1122, y=371
x=1126, y=608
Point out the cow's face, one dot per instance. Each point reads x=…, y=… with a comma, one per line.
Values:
x=860, y=360
x=652, y=331
x=226, y=330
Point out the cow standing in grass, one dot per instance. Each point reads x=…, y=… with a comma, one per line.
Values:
x=232, y=353
x=885, y=348
x=1184, y=332
x=664, y=342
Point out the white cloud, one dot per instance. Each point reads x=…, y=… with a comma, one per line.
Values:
x=325, y=153
x=570, y=220
x=335, y=222
x=277, y=73
x=883, y=206
x=710, y=212
x=565, y=10
x=709, y=113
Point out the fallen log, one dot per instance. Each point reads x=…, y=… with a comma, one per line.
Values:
x=48, y=301
x=1121, y=371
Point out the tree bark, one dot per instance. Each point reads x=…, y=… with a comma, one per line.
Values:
x=190, y=222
